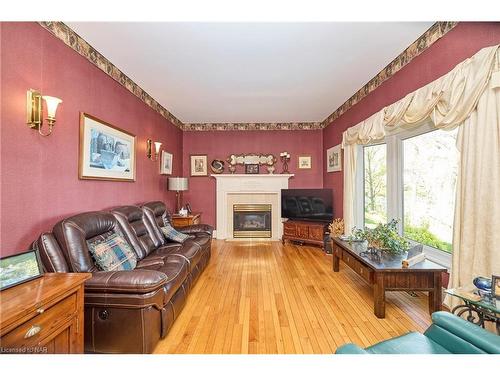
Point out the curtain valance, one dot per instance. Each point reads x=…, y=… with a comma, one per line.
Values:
x=447, y=101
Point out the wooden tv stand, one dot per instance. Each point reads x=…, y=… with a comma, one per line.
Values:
x=311, y=232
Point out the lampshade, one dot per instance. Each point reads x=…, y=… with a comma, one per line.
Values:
x=52, y=103
x=178, y=183
x=157, y=147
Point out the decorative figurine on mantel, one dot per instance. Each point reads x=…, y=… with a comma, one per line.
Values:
x=285, y=157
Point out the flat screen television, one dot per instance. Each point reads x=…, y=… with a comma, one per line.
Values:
x=307, y=204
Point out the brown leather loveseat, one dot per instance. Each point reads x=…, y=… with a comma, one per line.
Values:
x=128, y=311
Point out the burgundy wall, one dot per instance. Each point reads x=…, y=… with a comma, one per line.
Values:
x=460, y=43
x=221, y=144
x=39, y=175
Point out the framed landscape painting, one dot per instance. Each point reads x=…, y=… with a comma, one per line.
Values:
x=334, y=159
x=106, y=152
x=166, y=163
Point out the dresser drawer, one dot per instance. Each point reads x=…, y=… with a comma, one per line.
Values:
x=363, y=271
x=302, y=231
x=290, y=229
x=41, y=326
x=316, y=233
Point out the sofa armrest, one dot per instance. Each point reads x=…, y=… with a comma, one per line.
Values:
x=467, y=331
x=135, y=281
x=197, y=228
x=350, y=349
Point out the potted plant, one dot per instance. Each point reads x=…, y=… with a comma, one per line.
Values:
x=383, y=238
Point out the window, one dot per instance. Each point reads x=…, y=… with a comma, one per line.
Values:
x=375, y=185
x=429, y=180
x=411, y=177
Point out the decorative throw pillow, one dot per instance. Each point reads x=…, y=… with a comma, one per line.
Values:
x=170, y=233
x=112, y=253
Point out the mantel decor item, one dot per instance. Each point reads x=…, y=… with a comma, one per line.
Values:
x=244, y=159
x=199, y=165
x=285, y=157
x=178, y=184
x=166, y=162
x=334, y=159
x=217, y=166
x=271, y=169
x=19, y=268
x=251, y=168
x=106, y=152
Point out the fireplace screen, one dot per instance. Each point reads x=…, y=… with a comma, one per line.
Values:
x=252, y=221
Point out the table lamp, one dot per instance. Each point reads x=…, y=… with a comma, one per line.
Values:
x=178, y=184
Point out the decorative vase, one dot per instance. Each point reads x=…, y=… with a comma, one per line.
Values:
x=482, y=283
x=232, y=168
x=270, y=169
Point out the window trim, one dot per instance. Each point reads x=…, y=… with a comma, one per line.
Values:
x=395, y=194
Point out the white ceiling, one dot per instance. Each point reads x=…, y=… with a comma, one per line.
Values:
x=250, y=72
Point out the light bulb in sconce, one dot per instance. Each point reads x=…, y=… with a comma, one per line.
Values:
x=157, y=149
x=52, y=103
x=149, y=149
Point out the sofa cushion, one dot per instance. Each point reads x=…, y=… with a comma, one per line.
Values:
x=176, y=269
x=411, y=343
x=111, y=252
x=172, y=234
x=189, y=250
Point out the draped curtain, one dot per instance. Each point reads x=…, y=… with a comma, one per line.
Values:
x=467, y=97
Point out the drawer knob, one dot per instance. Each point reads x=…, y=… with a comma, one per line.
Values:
x=34, y=330
x=40, y=311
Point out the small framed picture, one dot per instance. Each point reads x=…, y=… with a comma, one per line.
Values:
x=334, y=159
x=199, y=165
x=166, y=162
x=19, y=268
x=304, y=162
x=251, y=168
x=495, y=286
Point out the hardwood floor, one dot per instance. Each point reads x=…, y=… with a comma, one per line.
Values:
x=263, y=297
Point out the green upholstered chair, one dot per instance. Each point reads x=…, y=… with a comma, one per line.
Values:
x=448, y=334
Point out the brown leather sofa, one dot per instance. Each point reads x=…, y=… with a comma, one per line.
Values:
x=128, y=311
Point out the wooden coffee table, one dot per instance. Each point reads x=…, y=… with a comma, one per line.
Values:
x=386, y=273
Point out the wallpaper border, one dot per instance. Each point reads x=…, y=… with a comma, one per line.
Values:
x=63, y=32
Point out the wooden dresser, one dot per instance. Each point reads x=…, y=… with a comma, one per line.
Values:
x=304, y=231
x=182, y=221
x=44, y=315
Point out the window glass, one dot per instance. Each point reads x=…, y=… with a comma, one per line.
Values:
x=375, y=185
x=429, y=181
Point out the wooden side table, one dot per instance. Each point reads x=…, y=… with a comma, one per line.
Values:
x=44, y=315
x=182, y=221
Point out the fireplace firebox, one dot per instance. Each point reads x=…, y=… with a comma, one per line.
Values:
x=252, y=221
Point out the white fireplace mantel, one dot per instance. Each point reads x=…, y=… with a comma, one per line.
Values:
x=248, y=188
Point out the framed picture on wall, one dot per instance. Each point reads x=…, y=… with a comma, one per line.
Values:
x=166, y=162
x=199, y=165
x=19, y=268
x=304, y=162
x=334, y=159
x=106, y=152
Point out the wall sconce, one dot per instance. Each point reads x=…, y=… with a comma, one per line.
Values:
x=149, y=149
x=34, y=110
